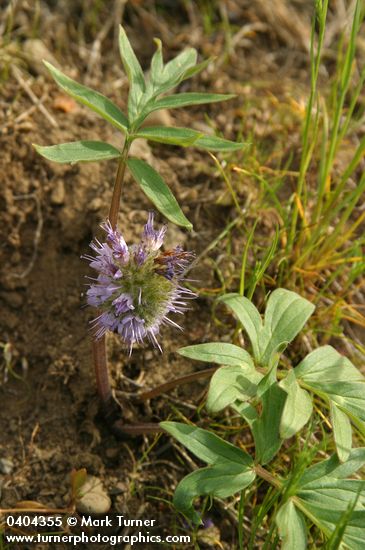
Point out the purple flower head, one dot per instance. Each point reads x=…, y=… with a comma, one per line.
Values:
x=152, y=238
x=137, y=287
x=118, y=244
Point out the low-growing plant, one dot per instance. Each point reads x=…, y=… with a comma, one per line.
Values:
x=137, y=286
x=276, y=402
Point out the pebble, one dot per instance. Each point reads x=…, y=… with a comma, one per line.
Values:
x=35, y=50
x=13, y=299
x=95, y=204
x=141, y=150
x=6, y=466
x=161, y=117
x=94, y=499
x=58, y=193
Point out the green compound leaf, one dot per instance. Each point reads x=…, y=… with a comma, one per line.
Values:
x=326, y=364
x=92, y=99
x=334, y=378
x=231, y=384
x=297, y=409
x=291, y=526
x=185, y=137
x=335, y=504
x=342, y=432
x=78, y=151
x=266, y=427
x=248, y=316
x=328, y=500
x=221, y=480
x=217, y=352
x=207, y=446
x=134, y=74
x=157, y=191
x=286, y=314
x=230, y=470
x=332, y=467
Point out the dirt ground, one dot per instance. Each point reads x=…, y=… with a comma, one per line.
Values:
x=49, y=421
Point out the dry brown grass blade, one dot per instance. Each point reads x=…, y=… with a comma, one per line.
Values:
x=286, y=22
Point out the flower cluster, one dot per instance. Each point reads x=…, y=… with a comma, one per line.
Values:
x=137, y=286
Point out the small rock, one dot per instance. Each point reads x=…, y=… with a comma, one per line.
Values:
x=6, y=466
x=13, y=299
x=58, y=193
x=95, y=204
x=148, y=355
x=141, y=150
x=210, y=536
x=94, y=499
x=11, y=320
x=203, y=127
x=175, y=236
x=35, y=50
x=112, y=452
x=158, y=118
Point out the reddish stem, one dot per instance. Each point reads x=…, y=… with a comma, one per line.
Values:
x=163, y=388
x=99, y=346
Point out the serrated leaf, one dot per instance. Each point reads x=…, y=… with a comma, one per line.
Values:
x=285, y=315
x=157, y=191
x=342, y=432
x=78, y=151
x=291, y=526
x=230, y=384
x=92, y=99
x=217, y=352
x=221, y=480
x=297, y=409
x=248, y=316
x=205, y=445
x=266, y=428
x=134, y=74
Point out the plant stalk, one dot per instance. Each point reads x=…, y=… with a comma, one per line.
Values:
x=264, y=474
x=99, y=346
x=163, y=388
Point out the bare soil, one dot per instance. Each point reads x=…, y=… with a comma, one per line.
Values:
x=49, y=422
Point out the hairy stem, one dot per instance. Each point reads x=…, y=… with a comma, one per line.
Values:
x=99, y=346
